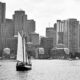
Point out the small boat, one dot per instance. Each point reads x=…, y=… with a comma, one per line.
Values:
x=23, y=63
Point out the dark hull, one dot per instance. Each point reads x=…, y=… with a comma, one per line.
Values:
x=23, y=68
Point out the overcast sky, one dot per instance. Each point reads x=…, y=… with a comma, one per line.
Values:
x=44, y=12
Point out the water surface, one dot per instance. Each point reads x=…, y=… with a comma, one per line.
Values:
x=42, y=70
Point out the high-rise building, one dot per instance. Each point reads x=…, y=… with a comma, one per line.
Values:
x=19, y=19
x=2, y=12
x=7, y=30
x=34, y=38
x=12, y=43
x=2, y=19
x=51, y=33
x=55, y=26
x=79, y=37
x=22, y=23
x=59, y=32
x=72, y=35
x=46, y=43
x=68, y=34
x=30, y=26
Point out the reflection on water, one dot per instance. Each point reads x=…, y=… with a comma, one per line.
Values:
x=42, y=70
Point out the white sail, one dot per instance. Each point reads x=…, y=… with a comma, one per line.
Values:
x=20, y=48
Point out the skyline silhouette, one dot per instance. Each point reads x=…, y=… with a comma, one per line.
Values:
x=44, y=12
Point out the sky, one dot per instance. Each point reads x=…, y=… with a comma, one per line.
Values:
x=44, y=12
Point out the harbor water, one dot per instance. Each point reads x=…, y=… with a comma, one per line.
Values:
x=42, y=70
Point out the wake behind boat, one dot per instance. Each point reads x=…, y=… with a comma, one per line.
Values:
x=23, y=62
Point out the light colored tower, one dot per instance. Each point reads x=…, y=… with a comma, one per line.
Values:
x=59, y=32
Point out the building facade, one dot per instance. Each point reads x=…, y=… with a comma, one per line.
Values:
x=21, y=23
x=34, y=38
x=72, y=35
x=51, y=33
x=2, y=19
x=46, y=43
x=79, y=37
x=7, y=30
x=2, y=12
x=30, y=26
x=60, y=32
x=19, y=19
x=68, y=34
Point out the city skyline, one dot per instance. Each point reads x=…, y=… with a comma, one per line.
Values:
x=44, y=12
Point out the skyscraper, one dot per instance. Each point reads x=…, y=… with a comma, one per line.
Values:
x=46, y=43
x=79, y=38
x=30, y=24
x=68, y=34
x=34, y=38
x=72, y=35
x=2, y=20
x=2, y=12
x=19, y=19
x=59, y=32
x=7, y=30
x=22, y=23
x=51, y=33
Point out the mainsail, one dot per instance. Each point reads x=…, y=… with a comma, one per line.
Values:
x=20, y=48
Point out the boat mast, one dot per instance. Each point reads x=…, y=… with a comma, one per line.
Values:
x=23, y=39
x=23, y=44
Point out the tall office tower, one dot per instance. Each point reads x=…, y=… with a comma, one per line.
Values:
x=65, y=35
x=79, y=37
x=30, y=26
x=59, y=32
x=2, y=19
x=71, y=35
x=2, y=12
x=19, y=19
x=55, y=26
x=7, y=30
x=51, y=33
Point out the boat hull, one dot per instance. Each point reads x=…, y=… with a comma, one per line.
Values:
x=23, y=67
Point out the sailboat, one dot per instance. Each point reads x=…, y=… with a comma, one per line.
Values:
x=23, y=63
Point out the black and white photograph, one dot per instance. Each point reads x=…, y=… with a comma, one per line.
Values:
x=39, y=40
